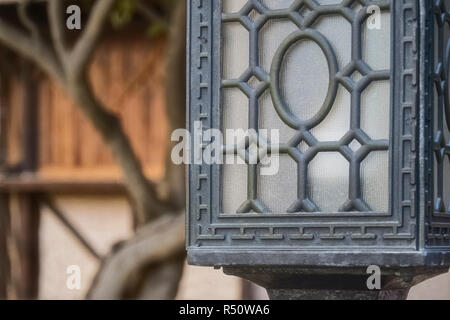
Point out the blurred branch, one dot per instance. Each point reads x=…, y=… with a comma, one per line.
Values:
x=154, y=257
x=54, y=9
x=38, y=52
x=138, y=77
x=150, y=265
x=27, y=21
x=75, y=65
x=142, y=191
x=75, y=62
x=153, y=244
x=150, y=14
x=82, y=52
x=69, y=69
x=47, y=201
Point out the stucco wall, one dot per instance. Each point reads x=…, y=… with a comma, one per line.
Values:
x=104, y=220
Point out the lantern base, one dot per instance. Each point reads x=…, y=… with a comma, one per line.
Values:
x=299, y=294
x=336, y=283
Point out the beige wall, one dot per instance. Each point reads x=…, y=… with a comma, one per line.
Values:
x=104, y=220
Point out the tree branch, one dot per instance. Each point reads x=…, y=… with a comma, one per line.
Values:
x=142, y=191
x=74, y=80
x=150, y=14
x=27, y=21
x=76, y=65
x=47, y=201
x=54, y=9
x=156, y=248
x=150, y=265
x=37, y=52
x=152, y=245
x=85, y=46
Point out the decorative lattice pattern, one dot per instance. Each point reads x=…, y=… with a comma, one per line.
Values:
x=209, y=227
x=355, y=76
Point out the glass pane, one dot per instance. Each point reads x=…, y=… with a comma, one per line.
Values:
x=375, y=181
x=235, y=111
x=374, y=39
x=271, y=36
x=304, y=79
x=268, y=119
x=337, y=123
x=375, y=106
x=446, y=193
x=276, y=195
x=231, y=6
x=325, y=2
x=338, y=32
x=234, y=184
x=235, y=42
x=446, y=165
x=277, y=4
x=328, y=181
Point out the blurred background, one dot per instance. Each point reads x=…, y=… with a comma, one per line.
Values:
x=65, y=195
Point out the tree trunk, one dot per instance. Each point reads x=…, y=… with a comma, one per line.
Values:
x=150, y=265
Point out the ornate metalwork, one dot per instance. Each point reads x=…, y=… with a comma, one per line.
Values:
x=357, y=64
x=356, y=13
x=438, y=223
x=305, y=228
x=344, y=77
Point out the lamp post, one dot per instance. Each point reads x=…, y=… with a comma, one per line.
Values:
x=358, y=94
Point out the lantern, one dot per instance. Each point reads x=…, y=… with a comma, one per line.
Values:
x=348, y=104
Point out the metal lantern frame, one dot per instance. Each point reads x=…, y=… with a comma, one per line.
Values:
x=415, y=232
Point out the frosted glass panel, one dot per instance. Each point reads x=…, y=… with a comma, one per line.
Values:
x=446, y=165
x=235, y=111
x=234, y=184
x=338, y=32
x=328, y=181
x=277, y=4
x=325, y=2
x=230, y=6
x=304, y=79
x=375, y=180
x=279, y=196
x=324, y=149
x=268, y=119
x=446, y=184
x=337, y=124
x=374, y=39
x=271, y=36
x=375, y=106
x=235, y=44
